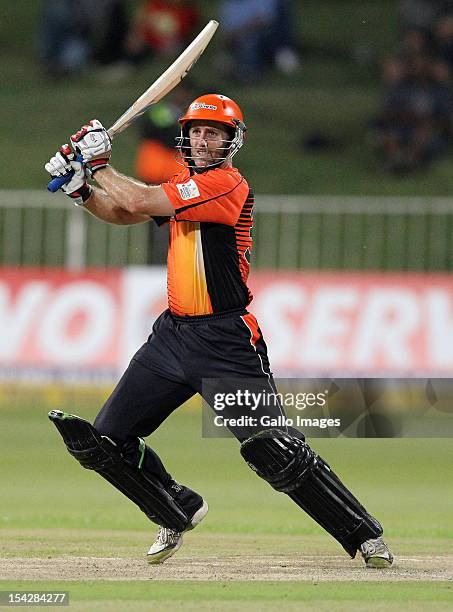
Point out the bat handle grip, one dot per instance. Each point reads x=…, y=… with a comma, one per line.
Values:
x=57, y=182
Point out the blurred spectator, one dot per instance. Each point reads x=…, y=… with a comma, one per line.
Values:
x=283, y=45
x=155, y=161
x=415, y=42
x=257, y=33
x=413, y=127
x=444, y=38
x=73, y=33
x=63, y=38
x=109, y=26
x=419, y=14
x=156, y=158
x=162, y=27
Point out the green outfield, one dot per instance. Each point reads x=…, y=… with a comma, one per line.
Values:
x=63, y=528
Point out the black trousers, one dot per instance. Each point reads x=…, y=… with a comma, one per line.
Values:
x=170, y=368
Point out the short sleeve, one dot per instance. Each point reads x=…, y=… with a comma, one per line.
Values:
x=216, y=196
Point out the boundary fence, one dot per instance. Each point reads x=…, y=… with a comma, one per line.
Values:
x=291, y=232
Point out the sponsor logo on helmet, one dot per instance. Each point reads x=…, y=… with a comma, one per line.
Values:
x=197, y=105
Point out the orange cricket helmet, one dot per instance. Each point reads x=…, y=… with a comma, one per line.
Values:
x=213, y=107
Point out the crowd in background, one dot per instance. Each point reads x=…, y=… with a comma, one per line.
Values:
x=414, y=125
x=75, y=34
x=258, y=34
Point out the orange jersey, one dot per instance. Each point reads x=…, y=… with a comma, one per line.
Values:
x=210, y=242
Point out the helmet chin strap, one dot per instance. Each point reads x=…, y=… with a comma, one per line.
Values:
x=201, y=169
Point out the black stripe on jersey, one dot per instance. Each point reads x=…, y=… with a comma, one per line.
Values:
x=160, y=220
x=226, y=288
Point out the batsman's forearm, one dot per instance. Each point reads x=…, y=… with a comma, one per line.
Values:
x=133, y=196
x=101, y=205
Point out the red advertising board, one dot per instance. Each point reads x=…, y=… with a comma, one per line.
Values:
x=58, y=324
x=356, y=323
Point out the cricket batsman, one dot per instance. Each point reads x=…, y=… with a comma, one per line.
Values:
x=205, y=333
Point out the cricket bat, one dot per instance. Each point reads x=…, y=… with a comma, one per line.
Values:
x=155, y=92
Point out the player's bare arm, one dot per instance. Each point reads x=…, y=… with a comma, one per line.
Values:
x=128, y=195
x=101, y=205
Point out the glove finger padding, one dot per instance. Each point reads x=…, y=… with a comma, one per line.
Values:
x=94, y=145
x=92, y=141
x=58, y=165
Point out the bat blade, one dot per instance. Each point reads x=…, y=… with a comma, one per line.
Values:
x=158, y=90
x=167, y=81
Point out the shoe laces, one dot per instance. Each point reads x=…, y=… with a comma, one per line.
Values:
x=167, y=536
x=370, y=547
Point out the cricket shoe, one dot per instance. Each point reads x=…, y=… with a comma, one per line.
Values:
x=168, y=541
x=376, y=553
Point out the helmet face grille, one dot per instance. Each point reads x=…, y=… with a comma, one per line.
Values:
x=229, y=148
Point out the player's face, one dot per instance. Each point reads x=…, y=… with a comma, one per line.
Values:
x=207, y=142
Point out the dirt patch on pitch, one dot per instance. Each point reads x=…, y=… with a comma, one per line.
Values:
x=315, y=568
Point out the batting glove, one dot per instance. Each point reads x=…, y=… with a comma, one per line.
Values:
x=61, y=164
x=93, y=143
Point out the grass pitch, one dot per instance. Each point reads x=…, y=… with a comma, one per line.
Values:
x=65, y=528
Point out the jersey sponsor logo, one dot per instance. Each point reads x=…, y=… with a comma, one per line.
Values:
x=188, y=190
x=197, y=105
